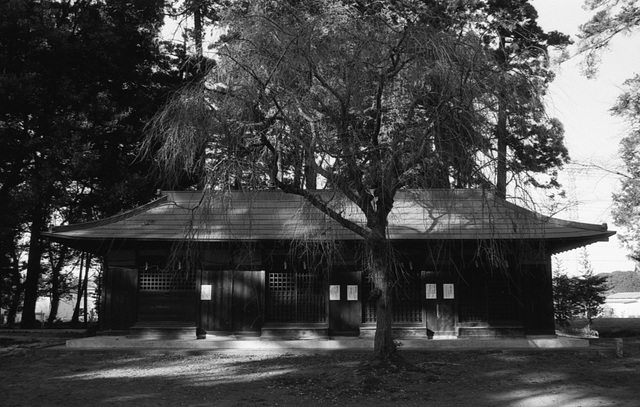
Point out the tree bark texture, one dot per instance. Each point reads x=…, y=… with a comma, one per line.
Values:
x=56, y=267
x=380, y=273
x=33, y=273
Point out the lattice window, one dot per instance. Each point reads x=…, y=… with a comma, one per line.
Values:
x=281, y=301
x=296, y=297
x=311, y=298
x=153, y=278
x=408, y=302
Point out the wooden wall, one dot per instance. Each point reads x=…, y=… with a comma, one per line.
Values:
x=237, y=300
x=120, y=299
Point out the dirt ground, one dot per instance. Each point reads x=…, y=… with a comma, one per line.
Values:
x=31, y=376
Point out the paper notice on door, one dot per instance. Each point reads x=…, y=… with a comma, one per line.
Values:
x=431, y=291
x=352, y=293
x=334, y=293
x=447, y=291
x=205, y=292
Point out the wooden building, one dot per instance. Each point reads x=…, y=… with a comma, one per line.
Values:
x=269, y=264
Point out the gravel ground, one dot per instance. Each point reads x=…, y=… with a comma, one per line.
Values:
x=33, y=376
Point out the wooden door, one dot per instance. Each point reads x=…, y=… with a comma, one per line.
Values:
x=440, y=305
x=231, y=301
x=248, y=302
x=345, y=311
x=120, y=298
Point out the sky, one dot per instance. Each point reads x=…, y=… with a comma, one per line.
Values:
x=592, y=134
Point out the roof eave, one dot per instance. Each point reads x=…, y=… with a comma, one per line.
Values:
x=566, y=244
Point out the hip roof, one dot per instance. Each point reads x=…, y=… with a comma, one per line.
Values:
x=462, y=214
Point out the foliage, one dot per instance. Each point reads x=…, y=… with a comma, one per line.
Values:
x=623, y=281
x=563, y=299
x=526, y=138
x=626, y=210
x=78, y=81
x=579, y=296
x=612, y=18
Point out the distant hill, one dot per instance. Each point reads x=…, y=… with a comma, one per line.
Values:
x=623, y=281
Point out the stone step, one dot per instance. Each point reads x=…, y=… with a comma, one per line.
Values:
x=163, y=330
x=491, y=332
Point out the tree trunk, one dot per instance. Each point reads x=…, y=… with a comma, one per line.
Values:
x=76, y=310
x=197, y=34
x=56, y=266
x=309, y=173
x=33, y=274
x=15, y=303
x=380, y=271
x=84, y=288
x=14, y=288
x=55, y=302
x=501, y=133
x=501, y=128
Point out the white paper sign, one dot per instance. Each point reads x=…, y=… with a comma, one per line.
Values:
x=447, y=290
x=334, y=293
x=352, y=293
x=431, y=291
x=205, y=292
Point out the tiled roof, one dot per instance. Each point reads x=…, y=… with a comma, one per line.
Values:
x=273, y=215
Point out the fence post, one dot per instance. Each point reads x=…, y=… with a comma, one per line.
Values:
x=619, y=347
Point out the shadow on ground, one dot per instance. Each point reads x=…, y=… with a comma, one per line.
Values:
x=593, y=377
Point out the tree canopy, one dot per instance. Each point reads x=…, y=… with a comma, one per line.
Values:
x=627, y=200
x=612, y=18
x=579, y=296
x=623, y=281
x=78, y=81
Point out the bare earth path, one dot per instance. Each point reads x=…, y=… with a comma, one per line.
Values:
x=593, y=377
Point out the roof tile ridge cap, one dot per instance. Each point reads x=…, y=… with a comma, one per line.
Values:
x=111, y=219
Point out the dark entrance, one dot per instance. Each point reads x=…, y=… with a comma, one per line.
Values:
x=166, y=296
x=231, y=301
x=296, y=297
x=440, y=308
x=345, y=312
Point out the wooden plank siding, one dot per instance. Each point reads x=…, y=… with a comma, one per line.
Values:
x=215, y=314
x=120, y=303
x=236, y=304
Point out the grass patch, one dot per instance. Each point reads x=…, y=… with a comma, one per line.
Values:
x=605, y=327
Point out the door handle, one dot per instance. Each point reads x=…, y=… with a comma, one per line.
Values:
x=438, y=311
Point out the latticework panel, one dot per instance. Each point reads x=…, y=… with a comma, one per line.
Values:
x=156, y=279
x=296, y=297
x=311, y=298
x=408, y=302
x=281, y=301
